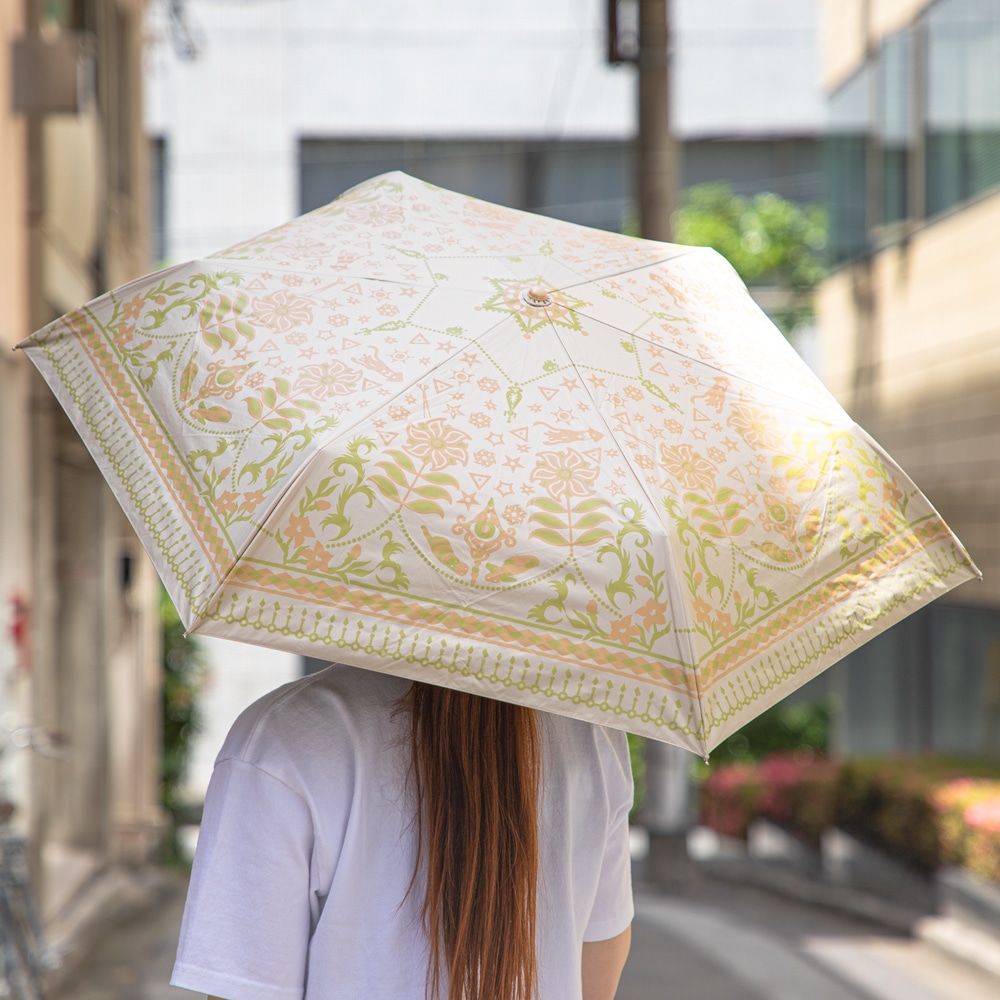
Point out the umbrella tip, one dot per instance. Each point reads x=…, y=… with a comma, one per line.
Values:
x=537, y=296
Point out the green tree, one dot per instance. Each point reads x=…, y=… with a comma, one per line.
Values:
x=769, y=241
x=183, y=676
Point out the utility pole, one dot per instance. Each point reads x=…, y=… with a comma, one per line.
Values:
x=656, y=153
x=666, y=811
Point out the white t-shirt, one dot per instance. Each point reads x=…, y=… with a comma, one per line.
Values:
x=307, y=849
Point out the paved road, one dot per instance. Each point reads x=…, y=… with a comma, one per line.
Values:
x=721, y=941
x=725, y=941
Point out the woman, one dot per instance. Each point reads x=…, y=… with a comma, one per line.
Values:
x=369, y=837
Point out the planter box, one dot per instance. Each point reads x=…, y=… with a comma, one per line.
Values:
x=847, y=861
x=967, y=898
x=768, y=842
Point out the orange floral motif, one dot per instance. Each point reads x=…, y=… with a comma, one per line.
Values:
x=693, y=471
x=317, y=558
x=332, y=378
x=702, y=611
x=252, y=500
x=514, y=513
x=282, y=311
x=377, y=214
x=891, y=493
x=133, y=307
x=623, y=630
x=653, y=613
x=724, y=624
x=564, y=473
x=755, y=425
x=225, y=503
x=299, y=529
x=437, y=442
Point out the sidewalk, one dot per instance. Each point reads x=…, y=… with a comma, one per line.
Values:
x=745, y=929
x=127, y=951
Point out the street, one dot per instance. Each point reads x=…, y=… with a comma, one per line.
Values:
x=720, y=941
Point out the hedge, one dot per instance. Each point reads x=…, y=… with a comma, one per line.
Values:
x=925, y=811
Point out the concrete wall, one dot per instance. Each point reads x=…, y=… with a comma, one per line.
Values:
x=848, y=27
x=911, y=345
x=79, y=631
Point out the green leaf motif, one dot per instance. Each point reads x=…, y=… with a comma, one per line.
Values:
x=394, y=472
x=402, y=459
x=432, y=492
x=188, y=376
x=425, y=507
x=549, y=537
x=211, y=414
x=591, y=520
x=593, y=536
x=510, y=568
x=386, y=487
x=547, y=504
x=549, y=520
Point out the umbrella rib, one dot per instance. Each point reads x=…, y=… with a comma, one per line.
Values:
x=770, y=389
x=249, y=265
x=687, y=630
x=683, y=252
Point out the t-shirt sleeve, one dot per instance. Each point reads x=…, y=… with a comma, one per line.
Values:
x=613, y=907
x=246, y=926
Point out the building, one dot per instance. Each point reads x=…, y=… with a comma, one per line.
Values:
x=79, y=624
x=515, y=103
x=910, y=332
x=260, y=112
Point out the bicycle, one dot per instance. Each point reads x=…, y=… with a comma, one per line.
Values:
x=25, y=957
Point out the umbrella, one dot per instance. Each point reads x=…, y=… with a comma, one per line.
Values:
x=425, y=434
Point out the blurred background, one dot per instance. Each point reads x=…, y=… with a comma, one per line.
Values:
x=843, y=154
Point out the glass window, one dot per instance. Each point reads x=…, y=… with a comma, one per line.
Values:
x=846, y=164
x=583, y=182
x=158, y=199
x=895, y=124
x=963, y=101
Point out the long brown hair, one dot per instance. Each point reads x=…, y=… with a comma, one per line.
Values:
x=476, y=778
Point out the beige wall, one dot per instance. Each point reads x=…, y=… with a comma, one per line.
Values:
x=13, y=234
x=911, y=346
x=90, y=666
x=849, y=27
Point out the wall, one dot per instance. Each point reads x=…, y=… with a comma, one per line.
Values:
x=79, y=649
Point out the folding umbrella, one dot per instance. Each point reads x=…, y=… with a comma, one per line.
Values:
x=425, y=434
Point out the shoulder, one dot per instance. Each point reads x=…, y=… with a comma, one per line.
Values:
x=598, y=754
x=325, y=715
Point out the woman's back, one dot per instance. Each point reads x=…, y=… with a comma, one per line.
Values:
x=308, y=849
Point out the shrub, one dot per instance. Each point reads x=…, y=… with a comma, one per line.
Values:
x=794, y=790
x=924, y=811
x=890, y=803
x=969, y=820
x=729, y=798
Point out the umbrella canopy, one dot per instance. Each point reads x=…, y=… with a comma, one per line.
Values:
x=420, y=433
